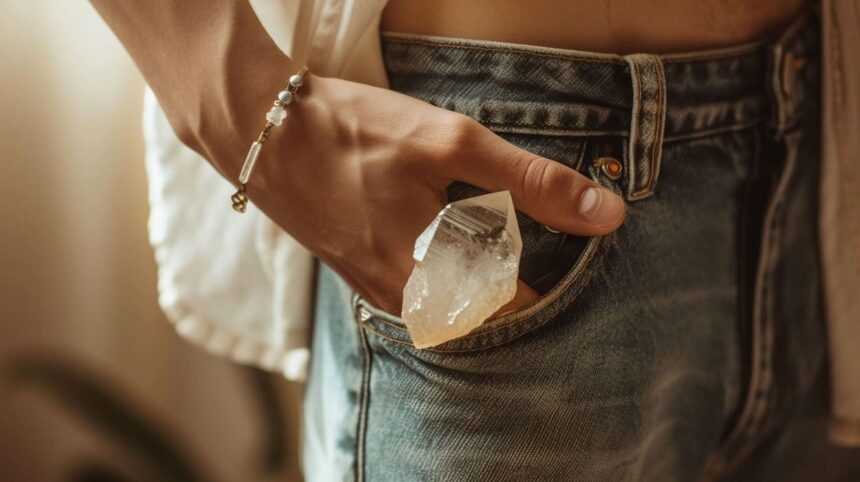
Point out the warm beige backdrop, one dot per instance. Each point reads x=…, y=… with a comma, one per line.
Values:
x=78, y=276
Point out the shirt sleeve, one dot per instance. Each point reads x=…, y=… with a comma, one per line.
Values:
x=233, y=283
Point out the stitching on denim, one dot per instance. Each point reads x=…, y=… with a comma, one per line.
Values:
x=661, y=118
x=500, y=47
x=528, y=328
x=694, y=134
x=760, y=391
x=666, y=59
x=633, y=139
x=712, y=132
x=385, y=336
x=527, y=124
x=457, y=102
x=656, y=145
x=364, y=397
x=547, y=129
x=524, y=313
x=740, y=440
x=656, y=68
x=527, y=325
x=646, y=187
x=505, y=47
x=527, y=311
x=767, y=309
x=740, y=126
x=551, y=131
x=391, y=324
x=523, y=128
x=501, y=342
x=577, y=276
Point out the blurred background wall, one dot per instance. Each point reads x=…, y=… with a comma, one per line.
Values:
x=94, y=384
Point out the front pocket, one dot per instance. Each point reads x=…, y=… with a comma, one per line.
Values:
x=499, y=331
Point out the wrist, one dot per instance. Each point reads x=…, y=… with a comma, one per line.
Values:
x=234, y=101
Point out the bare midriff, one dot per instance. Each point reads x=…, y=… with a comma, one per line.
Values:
x=611, y=26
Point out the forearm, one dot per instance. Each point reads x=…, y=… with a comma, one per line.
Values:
x=211, y=64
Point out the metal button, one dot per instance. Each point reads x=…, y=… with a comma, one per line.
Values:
x=610, y=167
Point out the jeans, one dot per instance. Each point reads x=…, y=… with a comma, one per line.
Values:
x=677, y=348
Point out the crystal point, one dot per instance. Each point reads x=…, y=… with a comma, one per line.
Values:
x=250, y=161
x=466, y=266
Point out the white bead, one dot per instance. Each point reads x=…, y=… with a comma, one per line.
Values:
x=250, y=160
x=285, y=96
x=296, y=80
x=276, y=115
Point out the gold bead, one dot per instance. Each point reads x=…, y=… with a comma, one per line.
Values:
x=240, y=200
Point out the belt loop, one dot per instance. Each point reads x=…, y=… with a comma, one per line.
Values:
x=777, y=87
x=647, y=122
x=788, y=70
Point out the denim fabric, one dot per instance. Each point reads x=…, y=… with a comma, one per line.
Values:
x=670, y=350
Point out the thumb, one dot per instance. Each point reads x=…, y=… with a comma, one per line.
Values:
x=548, y=191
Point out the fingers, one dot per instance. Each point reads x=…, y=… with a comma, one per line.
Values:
x=548, y=191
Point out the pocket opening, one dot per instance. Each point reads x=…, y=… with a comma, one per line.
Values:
x=505, y=328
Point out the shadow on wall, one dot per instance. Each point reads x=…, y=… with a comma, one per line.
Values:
x=109, y=410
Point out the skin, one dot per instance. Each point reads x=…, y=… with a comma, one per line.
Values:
x=612, y=26
x=355, y=173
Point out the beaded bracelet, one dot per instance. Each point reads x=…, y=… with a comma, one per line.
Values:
x=274, y=117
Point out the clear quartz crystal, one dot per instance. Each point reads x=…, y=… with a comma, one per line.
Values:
x=250, y=160
x=467, y=262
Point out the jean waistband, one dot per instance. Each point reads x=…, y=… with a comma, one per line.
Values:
x=580, y=93
x=649, y=99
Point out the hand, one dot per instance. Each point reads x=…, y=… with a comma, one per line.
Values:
x=361, y=172
x=356, y=172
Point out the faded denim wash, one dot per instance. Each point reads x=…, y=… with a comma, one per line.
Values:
x=670, y=350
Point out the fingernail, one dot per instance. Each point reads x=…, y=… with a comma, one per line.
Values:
x=600, y=207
